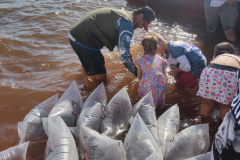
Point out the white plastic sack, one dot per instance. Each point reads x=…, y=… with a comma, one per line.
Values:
x=146, y=109
x=190, y=142
x=60, y=144
x=225, y=133
x=139, y=142
x=236, y=141
x=15, y=153
x=168, y=126
x=31, y=128
x=94, y=108
x=206, y=156
x=156, y=155
x=69, y=106
x=118, y=114
x=100, y=147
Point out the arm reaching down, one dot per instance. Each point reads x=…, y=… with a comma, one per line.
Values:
x=139, y=72
x=174, y=72
x=125, y=32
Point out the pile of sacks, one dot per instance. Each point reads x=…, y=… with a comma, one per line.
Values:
x=96, y=125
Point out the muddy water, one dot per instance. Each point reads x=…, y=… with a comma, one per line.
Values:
x=38, y=62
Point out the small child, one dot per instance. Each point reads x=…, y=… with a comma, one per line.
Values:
x=185, y=60
x=151, y=72
x=218, y=81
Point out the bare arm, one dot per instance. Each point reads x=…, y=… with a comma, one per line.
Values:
x=139, y=72
x=174, y=72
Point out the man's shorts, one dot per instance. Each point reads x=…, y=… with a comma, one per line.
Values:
x=227, y=13
x=185, y=80
x=92, y=59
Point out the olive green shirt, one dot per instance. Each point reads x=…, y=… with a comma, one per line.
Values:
x=98, y=28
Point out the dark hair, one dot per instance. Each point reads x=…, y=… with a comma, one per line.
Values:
x=148, y=13
x=222, y=48
x=149, y=44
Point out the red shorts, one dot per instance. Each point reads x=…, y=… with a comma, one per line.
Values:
x=185, y=80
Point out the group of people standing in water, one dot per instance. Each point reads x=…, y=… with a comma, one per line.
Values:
x=218, y=82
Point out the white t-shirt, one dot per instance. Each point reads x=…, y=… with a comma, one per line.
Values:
x=217, y=3
x=183, y=62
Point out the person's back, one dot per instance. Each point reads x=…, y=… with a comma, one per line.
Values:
x=196, y=59
x=151, y=72
x=97, y=28
x=151, y=66
x=225, y=59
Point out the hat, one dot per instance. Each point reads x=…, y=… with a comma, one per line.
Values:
x=148, y=15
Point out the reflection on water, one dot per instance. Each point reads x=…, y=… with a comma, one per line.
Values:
x=38, y=62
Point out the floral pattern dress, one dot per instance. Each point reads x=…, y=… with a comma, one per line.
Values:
x=153, y=78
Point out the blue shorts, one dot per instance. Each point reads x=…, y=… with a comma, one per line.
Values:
x=92, y=59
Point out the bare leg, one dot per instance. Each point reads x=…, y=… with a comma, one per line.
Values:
x=230, y=35
x=100, y=77
x=224, y=108
x=207, y=107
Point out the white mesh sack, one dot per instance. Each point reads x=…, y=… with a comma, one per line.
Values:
x=60, y=144
x=168, y=126
x=188, y=143
x=69, y=106
x=146, y=109
x=15, y=153
x=100, y=147
x=205, y=156
x=94, y=108
x=117, y=115
x=31, y=128
x=139, y=142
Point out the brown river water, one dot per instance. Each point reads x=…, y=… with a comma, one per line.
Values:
x=37, y=61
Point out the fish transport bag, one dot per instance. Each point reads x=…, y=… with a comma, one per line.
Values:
x=100, y=147
x=146, y=109
x=31, y=128
x=205, y=156
x=139, y=142
x=168, y=126
x=117, y=115
x=94, y=108
x=188, y=143
x=60, y=144
x=69, y=106
x=15, y=153
x=156, y=155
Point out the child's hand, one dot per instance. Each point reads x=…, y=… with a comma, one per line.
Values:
x=171, y=72
x=174, y=72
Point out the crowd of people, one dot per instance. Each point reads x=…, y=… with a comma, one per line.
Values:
x=218, y=82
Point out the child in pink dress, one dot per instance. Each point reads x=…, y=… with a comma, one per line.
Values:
x=151, y=72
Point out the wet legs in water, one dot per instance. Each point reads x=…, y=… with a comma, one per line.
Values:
x=208, y=106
